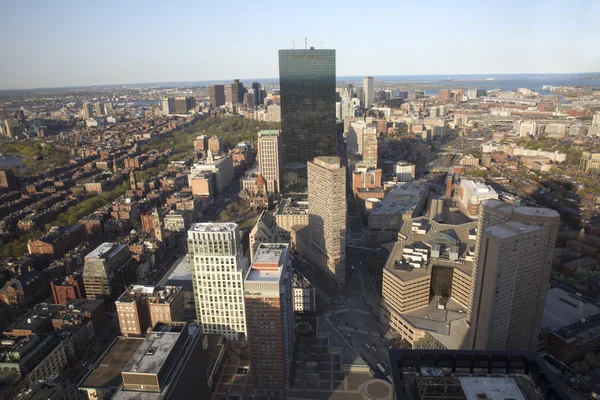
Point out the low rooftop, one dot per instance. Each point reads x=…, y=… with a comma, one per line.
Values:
x=425, y=232
x=155, y=294
x=152, y=352
x=477, y=188
x=105, y=250
x=401, y=199
x=272, y=254
x=179, y=275
x=502, y=375
x=214, y=227
x=449, y=326
x=562, y=309
x=107, y=372
x=290, y=206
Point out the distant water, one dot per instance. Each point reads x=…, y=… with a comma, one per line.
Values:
x=139, y=103
x=508, y=82
x=10, y=161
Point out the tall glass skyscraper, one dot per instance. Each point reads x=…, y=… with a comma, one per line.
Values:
x=308, y=123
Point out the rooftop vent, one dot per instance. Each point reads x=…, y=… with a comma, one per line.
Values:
x=151, y=351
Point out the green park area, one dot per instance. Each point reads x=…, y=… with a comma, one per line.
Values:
x=36, y=155
x=231, y=129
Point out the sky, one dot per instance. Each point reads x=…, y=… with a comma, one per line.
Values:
x=79, y=43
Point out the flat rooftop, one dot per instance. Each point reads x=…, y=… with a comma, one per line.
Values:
x=477, y=188
x=152, y=353
x=156, y=294
x=178, y=273
x=104, y=250
x=563, y=309
x=537, y=211
x=492, y=388
x=507, y=208
x=36, y=318
x=270, y=255
x=107, y=372
x=268, y=132
x=449, y=326
x=511, y=229
x=401, y=199
x=510, y=375
x=329, y=162
x=461, y=235
x=256, y=275
x=290, y=206
x=214, y=227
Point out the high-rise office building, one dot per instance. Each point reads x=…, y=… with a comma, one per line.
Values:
x=229, y=94
x=327, y=215
x=99, y=270
x=100, y=110
x=308, y=122
x=369, y=147
x=168, y=106
x=369, y=91
x=249, y=98
x=513, y=257
x=258, y=99
x=88, y=110
x=269, y=159
x=218, y=270
x=182, y=105
x=237, y=92
x=270, y=318
x=216, y=93
x=190, y=102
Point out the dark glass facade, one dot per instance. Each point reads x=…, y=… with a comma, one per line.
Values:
x=308, y=123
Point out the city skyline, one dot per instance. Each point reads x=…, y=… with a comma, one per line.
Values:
x=99, y=55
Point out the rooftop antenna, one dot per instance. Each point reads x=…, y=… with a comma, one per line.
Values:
x=292, y=44
x=305, y=43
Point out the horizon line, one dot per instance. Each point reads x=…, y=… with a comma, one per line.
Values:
x=258, y=79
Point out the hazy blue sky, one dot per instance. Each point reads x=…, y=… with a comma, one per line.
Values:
x=48, y=43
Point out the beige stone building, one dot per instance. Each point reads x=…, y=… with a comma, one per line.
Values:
x=288, y=214
x=269, y=159
x=589, y=161
x=510, y=277
x=369, y=148
x=324, y=240
x=426, y=283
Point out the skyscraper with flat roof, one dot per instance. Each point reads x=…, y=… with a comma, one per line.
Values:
x=513, y=256
x=168, y=106
x=327, y=215
x=99, y=108
x=369, y=91
x=257, y=93
x=88, y=110
x=308, y=122
x=216, y=93
x=270, y=318
x=218, y=270
x=269, y=159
